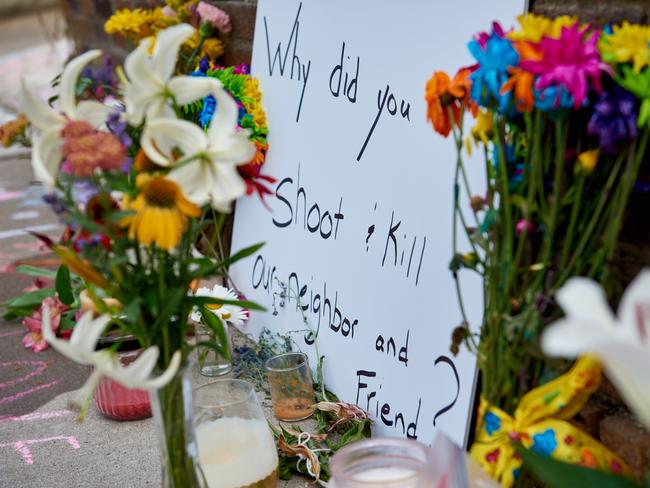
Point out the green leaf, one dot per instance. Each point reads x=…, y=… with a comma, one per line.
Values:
x=66, y=323
x=30, y=299
x=555, y=473
x=201, y=301
x=244, y=253
x=64, y=286
x=217, y=326
x=34, y=271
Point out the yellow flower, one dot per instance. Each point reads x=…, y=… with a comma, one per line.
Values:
x=588, y=159
x=12, y=130
x=482, y=130
x=627, y=43
x=137, y=23
x=252, y=90
x=534, y=27
x=212, y=47
x=161, y=212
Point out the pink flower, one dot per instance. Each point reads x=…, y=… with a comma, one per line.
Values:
x=34, y=338
x=167, y=11
x=570, y=62
x=524, y=226
x=214, y=16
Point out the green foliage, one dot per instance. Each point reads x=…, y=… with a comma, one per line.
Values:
x=556, y=474
x=64, y=286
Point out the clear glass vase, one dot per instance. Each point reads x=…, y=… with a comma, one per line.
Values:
x=172, y=409
x=211, y=363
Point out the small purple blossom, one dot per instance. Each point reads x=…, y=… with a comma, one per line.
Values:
x=614, y=119
x=118, y=127
x=83, y=191
x=55, y=201
x=242, y=69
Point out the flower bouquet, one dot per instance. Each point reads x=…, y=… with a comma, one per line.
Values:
x=562, y=120
x=138, y=172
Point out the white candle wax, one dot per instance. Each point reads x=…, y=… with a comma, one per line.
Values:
x=235, y=452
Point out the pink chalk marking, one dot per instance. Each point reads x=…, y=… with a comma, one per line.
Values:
x=17, y=396
x=10, y=195
x=35, y=416
x=22, y=446
x=29, y=246
x=40, y=367
x=9, y=334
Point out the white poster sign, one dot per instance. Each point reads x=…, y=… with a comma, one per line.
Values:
x=359, y=226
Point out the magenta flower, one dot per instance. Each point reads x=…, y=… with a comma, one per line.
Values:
x=570, y=62
x=214, y=16
x=34, y=338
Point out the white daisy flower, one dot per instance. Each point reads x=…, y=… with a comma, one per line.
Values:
x=230, y=314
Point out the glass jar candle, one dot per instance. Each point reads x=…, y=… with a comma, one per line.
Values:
x=382, y=463
x=114, y=400
x=291, y=386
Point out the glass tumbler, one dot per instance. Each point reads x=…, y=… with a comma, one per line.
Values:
x=235, y=443
x=292, y=389
x=382, y=463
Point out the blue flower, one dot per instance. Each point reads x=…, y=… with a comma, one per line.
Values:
x=494, y=61
x=553, y=98
x=492, y=423
x=544, y=443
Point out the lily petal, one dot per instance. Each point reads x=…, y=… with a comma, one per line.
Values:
x=135, y=374
x=81, y=347
x=627, y=366
x=39, y=113
x=69, y=78
x=227, y=187
x=634, y=310
x=168, y=42
x=195, y=179
x=160, y=136
x=224, y=120
x=46, y=155
x=93, y=112
x=584, y=300
x=187, y=89
x=166, y=376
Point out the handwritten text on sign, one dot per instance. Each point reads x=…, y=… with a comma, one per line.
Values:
x=358, y=236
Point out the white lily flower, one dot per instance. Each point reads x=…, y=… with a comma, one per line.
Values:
x=621, y=342
x=46, y=150
x=230, y=314
x=207, y=172
x=81, y=348
x=151, y=82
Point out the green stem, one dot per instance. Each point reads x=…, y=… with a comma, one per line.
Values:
x=587, y=234
x=573, y=219
x=506, y=227
x=556, y=203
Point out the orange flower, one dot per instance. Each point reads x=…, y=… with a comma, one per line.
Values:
x=460, y=88
x=260, y=154
x=522, y=81
x=439, y=99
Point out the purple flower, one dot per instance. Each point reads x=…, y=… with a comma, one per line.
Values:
x=83, y=191
x=118, y=127
x=569, y=62
x=614, y=119
x=55, y=201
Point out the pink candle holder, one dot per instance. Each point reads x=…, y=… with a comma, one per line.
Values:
x=116, y=401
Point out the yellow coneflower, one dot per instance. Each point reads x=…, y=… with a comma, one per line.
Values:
x=161, y=212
